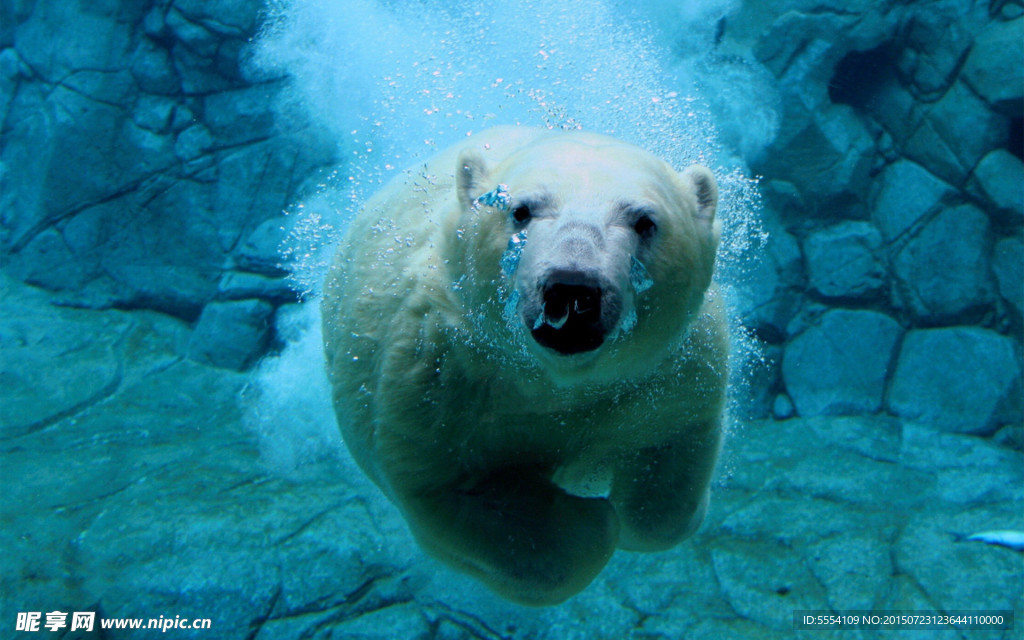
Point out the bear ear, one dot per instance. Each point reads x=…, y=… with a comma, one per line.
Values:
x=702, y=182
x=470, y=176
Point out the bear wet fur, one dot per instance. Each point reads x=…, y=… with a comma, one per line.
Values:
x=517, y=450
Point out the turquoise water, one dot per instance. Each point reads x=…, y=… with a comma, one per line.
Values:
x=175, y=175
x=395, y=83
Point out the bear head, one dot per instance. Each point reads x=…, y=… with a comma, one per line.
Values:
x=592, y=252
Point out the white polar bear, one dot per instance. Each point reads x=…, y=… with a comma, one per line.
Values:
x=527, y=356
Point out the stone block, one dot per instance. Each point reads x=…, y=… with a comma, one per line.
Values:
x=934, y=44
x=240, y=116
x=261, y=251
x=906, y=193
x=957, y=379
x=1008, y=267
x=828, y=159
x=240, y=285
x=231, y=335
x=956, y=133
x=768, y=298
x=999, y=178
x=994, y=68
x=840, y=365
x=844, y=260
x=941, y=274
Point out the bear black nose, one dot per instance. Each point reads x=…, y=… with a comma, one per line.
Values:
x=562, y=301
x=570, y=320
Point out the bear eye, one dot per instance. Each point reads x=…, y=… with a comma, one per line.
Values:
x=645, y=227
x=521, y=214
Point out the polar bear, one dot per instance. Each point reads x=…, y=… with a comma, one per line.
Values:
x=528, y=357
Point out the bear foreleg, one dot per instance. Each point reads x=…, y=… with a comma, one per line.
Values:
x=661, y=493
x=519, y=533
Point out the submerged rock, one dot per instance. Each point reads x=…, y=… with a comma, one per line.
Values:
x=193, y=142
x=239, y=285
x=782, y=407
x=941, y=274
x=829, y=161
x=839, y=365
x=958, y=379
x=906, y=194
x=955, y=134
x=935, y=42
x=994, y=68
x=769, y=295
x=231, y=334
x=1008, y=266
x=261, y=251
x=135, y=155
x=844, y=260
x=998, y=178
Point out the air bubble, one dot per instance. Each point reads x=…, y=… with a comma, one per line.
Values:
x=513, y=254
x=498, y=198
x=628, y=321
x=511, y=310
x=639, y=277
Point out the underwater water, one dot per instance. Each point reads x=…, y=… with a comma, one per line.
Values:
x=175, y=175
x=409, y=79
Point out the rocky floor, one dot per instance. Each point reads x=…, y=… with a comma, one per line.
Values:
x=131, y=486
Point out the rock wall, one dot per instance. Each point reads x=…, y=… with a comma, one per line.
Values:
x=895, y=202
x=141, y=166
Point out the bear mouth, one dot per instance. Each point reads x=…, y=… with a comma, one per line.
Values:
x=570, y=319
x=570, y=339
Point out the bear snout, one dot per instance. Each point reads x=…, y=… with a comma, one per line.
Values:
x=577, y=311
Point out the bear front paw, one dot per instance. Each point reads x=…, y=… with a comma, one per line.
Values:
x=520, y=534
